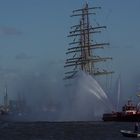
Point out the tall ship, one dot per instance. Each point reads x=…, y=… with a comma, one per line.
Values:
x=81, y=55
x=86, y=51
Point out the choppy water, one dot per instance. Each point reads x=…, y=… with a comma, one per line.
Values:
x=63, y=130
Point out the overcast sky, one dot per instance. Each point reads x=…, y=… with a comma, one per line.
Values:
x=33, y=36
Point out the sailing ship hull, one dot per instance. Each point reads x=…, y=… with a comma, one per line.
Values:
x=121, y=117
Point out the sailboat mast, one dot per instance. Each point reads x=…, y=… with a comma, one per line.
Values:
x=80, y=53
x=6, y=98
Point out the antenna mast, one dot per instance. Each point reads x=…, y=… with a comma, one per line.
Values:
x=81, y=50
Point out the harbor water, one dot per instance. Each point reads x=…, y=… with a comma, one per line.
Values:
x=63, y=130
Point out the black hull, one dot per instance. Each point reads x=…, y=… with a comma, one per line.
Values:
x=121, y=117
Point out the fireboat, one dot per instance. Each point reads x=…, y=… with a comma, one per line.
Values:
x=129, y=113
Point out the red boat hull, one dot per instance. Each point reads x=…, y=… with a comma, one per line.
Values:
x=121, y=117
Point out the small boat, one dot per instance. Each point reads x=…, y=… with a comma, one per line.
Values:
x=128, y=133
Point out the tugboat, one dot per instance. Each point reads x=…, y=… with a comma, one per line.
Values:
x=129, y=113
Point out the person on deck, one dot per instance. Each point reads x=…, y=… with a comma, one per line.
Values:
x=136, y=127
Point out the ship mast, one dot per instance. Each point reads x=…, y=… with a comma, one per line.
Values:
x=81, y=51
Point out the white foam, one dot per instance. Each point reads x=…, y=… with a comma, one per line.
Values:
x=89, y=99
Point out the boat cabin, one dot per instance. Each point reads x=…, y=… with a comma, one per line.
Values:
x=129, y=109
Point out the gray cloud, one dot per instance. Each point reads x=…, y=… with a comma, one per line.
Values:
x=9, y=31
x=22, y=56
